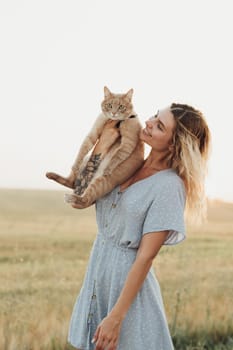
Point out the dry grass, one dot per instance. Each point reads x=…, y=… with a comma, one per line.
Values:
x=43, y=254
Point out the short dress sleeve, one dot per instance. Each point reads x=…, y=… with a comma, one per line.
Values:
x=166, y=213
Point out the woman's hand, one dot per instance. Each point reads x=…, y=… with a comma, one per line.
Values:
x=107, y=333
x=107, y=138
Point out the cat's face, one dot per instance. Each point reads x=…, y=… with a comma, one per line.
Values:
x=117, y=106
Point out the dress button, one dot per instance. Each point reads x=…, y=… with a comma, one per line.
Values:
x=113, y=205
x=106, y=225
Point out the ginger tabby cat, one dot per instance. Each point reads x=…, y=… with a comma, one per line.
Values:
x=95, y=175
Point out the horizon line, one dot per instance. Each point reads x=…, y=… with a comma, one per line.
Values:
x=209, y=197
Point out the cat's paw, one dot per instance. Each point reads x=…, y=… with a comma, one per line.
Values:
x=77, y=206
x=75, y=199
x=70, y=198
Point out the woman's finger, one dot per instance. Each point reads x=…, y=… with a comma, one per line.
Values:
x=96, y=335
x=105, y=344
x=100, y=344
x=112, y=346
x=111, y=123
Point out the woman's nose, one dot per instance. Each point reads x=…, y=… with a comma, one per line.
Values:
x=149, y=123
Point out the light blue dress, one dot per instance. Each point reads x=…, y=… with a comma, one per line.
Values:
x=155, y=203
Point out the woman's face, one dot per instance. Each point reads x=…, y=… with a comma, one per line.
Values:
x=159, y=130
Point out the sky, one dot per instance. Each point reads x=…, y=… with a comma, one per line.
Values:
x=56, y=57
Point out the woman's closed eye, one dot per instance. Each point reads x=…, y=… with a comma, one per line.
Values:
x=158, y=124
x=159, y=127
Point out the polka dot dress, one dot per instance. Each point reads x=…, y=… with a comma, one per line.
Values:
x=153, y=204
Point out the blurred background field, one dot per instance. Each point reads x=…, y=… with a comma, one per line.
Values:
x=44, y=249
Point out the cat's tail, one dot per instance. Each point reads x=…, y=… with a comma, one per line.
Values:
x=65, y=181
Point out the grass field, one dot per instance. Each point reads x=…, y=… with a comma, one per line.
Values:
x=44, y=249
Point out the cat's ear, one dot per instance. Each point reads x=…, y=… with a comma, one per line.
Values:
x=129, y=94
x=107, y=92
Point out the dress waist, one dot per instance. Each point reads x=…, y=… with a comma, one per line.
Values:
x=103, y=240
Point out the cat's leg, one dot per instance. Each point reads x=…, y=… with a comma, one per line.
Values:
x=87, y=174
x=89, y=141
x=86, y=146
x=96, y=189
x=83, y=180
x=82, y=194
x=102, y=185
x=120, y=154
x=130, y=131
x=68, y=181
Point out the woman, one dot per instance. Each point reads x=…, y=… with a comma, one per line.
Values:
x=120, y=304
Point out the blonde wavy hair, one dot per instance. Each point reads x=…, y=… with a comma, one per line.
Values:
x=191, y=146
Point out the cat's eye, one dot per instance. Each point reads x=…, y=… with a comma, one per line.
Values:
x=122, y=108
x=109, y=105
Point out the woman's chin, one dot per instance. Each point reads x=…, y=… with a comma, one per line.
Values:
x=142, y=136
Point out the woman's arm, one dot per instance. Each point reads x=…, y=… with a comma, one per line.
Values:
x=108, y=331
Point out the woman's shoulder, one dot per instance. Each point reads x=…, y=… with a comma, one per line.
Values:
x=169, y=176
x=169, y=180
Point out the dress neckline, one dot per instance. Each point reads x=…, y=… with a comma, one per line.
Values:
x=139, y=181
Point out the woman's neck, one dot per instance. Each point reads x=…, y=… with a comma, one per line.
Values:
x=156, y=161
